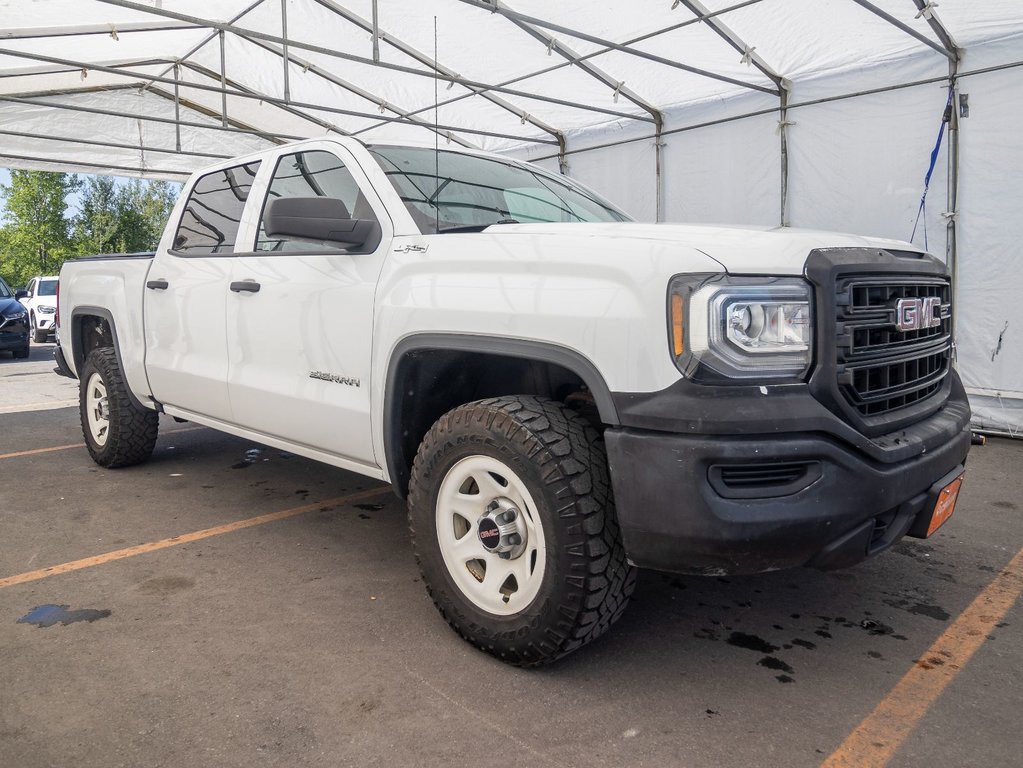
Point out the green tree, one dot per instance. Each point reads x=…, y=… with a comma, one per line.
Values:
x=35, y=235
x=144, y=207
x=97, y=226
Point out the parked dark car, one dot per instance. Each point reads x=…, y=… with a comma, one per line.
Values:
x=13, y=322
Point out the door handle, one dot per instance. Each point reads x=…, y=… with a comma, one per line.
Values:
x=248, y=286
x=157, y=285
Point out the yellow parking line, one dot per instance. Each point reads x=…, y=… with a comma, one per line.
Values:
x=34, y=451
x=876, y=740
x=186, y=538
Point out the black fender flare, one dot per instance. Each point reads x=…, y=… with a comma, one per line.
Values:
x=78, y=354
x=526, y=349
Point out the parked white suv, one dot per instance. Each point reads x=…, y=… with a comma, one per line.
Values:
x=41, y=303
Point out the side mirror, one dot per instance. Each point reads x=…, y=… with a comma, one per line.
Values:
x=19, y=295
x=319, y=220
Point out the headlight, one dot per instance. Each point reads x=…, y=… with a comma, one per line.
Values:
x=742, y=327
x=17, y=315
x=46, y=310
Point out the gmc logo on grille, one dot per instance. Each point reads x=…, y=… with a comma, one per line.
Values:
x=916, y=314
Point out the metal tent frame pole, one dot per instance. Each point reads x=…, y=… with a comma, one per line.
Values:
x=224, y=92
x=568, y=62
x=333, y=53
x=495, y=6
x=422, y=58
x=617, y=87
x=112, y=144
x=272, y=136
x=298, y=61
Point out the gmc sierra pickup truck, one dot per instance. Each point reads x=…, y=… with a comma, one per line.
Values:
x=562, y=395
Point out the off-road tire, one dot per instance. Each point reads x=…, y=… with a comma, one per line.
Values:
x=561, y=458
x=132, y=430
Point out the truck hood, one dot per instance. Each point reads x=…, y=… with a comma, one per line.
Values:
x=748, y=250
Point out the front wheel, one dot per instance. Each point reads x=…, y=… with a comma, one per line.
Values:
x=514, y=528
x=117, y=432
x=38, y=335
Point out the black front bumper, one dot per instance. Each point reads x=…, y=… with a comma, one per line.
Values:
x=737, y=502
x=13, y=338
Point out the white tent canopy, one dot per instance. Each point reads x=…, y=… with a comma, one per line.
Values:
x=809, y=113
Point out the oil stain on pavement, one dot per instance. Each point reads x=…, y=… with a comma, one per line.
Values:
x=49, y=615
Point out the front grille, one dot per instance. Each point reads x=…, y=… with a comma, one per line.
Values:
x=881, y=369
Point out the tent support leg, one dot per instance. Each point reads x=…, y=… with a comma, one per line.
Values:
x=562, y=153
x=177, y=108
x=658, y=175
x=951, y=244
x=223, y=81
x=783, y=132
x=376, y=32
x=284, y=35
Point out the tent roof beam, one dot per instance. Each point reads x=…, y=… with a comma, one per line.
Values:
x=428, y=61
x=113, y=144
x=242, y=32
x=723, y=31
x=210, y=74
x=211, y=37
x=495, y=6
x=616, y=85
x=223, y=91
x=931, y=16
x=101, y=166
x=278, y=138
x=352, y=88
x=569, y=62
x=944, y=51
x=33, y=33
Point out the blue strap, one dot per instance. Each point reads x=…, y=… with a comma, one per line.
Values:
x=922, y=210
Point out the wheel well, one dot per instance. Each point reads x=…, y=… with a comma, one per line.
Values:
x=89, y=332
x=424, y=384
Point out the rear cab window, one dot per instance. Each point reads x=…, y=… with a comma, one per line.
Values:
x=212, y=214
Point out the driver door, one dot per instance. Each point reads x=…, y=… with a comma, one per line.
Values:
x=300, y=343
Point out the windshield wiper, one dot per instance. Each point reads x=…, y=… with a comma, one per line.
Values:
x=478, y=227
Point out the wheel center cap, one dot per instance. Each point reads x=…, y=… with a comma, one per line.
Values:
x=501, y=529
x=103, y=408
x=489, y=533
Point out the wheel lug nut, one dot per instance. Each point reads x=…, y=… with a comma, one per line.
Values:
x=514, y=539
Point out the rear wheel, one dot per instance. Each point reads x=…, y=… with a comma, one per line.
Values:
x=514, y=528
x=117, y=432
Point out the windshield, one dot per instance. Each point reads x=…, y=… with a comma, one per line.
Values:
x=455, y=192
x=47, y=288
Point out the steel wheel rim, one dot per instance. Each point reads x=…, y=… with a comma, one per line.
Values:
x=494, y=584
x=96, y=409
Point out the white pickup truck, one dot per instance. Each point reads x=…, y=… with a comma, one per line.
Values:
x=561, y=394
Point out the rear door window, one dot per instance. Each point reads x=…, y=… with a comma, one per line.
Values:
x=209, y=224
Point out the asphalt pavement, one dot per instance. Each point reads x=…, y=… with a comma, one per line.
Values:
x=228, y=604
